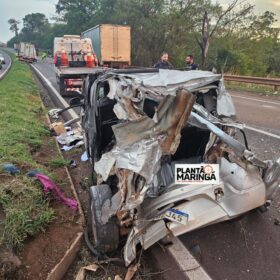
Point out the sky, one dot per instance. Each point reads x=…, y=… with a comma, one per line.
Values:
x=19, y=8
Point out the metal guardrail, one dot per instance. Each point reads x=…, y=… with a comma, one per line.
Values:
x=254, y=80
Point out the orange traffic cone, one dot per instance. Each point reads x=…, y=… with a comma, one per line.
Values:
x=89, y=60
x=64, y=58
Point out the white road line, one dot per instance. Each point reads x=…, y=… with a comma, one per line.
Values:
x=259, y=100
x=189, y=266
x=262, y=132
x=269, y=106
x=72, y=113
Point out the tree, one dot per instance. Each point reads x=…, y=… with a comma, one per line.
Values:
x=263, y=26
x=35, y=23
x=35, y=27
x=221, y=18
x=232, y=39
x=149, y=28
x=14, y=25
x=78, y=14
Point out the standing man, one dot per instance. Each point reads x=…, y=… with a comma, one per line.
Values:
x=163, y=63
x=191, y=65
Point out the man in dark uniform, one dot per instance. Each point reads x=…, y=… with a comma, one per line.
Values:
x=163, y=63
x=191, y=65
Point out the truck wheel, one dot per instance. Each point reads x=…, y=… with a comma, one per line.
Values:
x=62, y=87
x=105, y=236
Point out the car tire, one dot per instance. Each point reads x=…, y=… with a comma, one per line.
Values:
x=105, y=236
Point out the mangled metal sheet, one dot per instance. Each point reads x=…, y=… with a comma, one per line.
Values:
x=134, y=158
x=200, y=122
x=170, y=117
x=142, y=140
x=167, y=82
x=225, y=105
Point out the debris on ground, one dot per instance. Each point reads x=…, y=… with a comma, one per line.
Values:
x=66, y=148
x=10, y=168
x=72, y=163
x=58, y=128
x=131, y=271
x=84, y=156
x=49, y=186
x=54, y=113
x=70, y=139
x=82, y=272
x=276, y=222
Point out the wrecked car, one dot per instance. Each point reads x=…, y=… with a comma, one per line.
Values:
x=140, y=123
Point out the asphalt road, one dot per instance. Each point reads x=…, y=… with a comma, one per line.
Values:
x=5, y=66
x=46, y=67
x=248, y=248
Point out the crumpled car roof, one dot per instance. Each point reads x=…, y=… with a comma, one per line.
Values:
x=168, y=81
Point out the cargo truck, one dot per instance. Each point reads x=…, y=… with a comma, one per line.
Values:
x=27, y=52
x=112, y=44
x=74, y=59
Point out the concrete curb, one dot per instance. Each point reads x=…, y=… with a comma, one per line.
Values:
x=188, y=265
x=63, y=265
x=61, y=268
x=172, y=260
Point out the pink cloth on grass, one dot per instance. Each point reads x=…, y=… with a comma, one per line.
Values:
x=49, y=186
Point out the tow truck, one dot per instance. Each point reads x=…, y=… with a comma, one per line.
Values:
x=74, y=59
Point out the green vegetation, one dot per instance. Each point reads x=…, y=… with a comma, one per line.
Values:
x=20, y=110
x=22, y=131
x=26, y=210
x=233, y=39
x=254, y=88
x=58, y=162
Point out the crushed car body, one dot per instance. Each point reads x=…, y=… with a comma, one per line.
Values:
x=138, y=125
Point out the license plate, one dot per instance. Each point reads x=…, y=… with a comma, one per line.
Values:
x=177, y=216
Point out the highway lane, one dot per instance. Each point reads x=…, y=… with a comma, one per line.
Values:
x=249, y=248
x=257, y=111
x=6, y=65
x=46, y=68
x=262, y=113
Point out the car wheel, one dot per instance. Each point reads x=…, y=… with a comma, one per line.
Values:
x=105, y=236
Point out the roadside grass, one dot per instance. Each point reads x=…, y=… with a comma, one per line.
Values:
x=25, y=207
x=258, y=89
x=26, y=210
x=58, y=162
